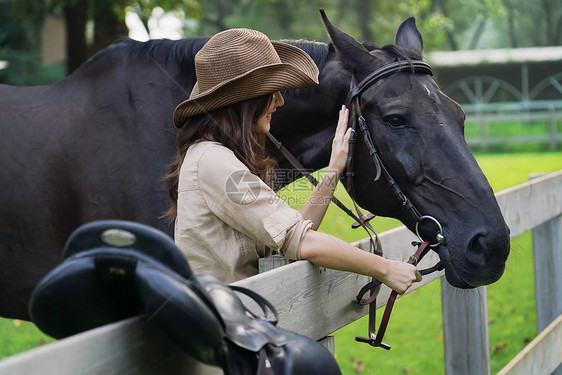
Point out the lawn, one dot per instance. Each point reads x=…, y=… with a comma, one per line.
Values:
x=415, y=331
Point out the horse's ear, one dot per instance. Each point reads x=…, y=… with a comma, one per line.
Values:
x=353, y=53
x=409, y=37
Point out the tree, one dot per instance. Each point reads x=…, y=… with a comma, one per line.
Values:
x=445, y=24
x=19, y=46
x=107, y=17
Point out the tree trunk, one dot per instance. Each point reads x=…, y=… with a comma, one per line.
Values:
x=76, y=16
x=477, y=33
x=439, y=5
x=548, y=16
x=364, y=15
x=108, y=27
x=511, y=23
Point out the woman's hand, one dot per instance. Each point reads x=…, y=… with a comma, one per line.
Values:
x=340, y=144
x=399, y=276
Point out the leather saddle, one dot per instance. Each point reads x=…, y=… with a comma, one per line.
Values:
x=112, y=270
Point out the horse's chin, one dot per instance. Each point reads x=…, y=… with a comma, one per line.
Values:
x=451, y=273
x=460, y=274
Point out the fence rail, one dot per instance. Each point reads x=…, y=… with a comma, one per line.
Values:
x=313, y=301
x=541, y=356
x=483, y=115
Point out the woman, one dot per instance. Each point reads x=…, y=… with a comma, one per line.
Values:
x=227, y=216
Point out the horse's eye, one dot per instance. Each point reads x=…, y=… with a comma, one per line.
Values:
x=395, y=120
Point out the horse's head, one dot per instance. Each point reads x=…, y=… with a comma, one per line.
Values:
x=419, y=134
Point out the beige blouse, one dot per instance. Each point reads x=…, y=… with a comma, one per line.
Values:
x=228, y=218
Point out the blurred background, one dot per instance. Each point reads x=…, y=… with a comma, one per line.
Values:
x=500, y=59
x=37, y=35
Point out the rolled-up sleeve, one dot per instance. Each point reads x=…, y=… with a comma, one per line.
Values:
x=244, y=202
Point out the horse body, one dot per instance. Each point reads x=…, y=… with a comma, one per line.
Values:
x=93, y=146
x=96, y=145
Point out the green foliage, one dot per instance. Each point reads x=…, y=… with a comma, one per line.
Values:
x=445, y=24
x=25, y=69
x=19, y=47
x=10, y=36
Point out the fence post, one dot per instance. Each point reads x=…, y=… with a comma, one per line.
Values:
x=465, y=330
x=552, y=127
x=547, y=254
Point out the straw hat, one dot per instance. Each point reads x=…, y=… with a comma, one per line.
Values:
x=240, y=64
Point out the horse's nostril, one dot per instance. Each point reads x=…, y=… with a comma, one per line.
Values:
x=475, y=242
x=483, y=257
x=476, y=252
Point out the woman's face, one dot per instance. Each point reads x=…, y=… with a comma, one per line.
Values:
x=264, y=122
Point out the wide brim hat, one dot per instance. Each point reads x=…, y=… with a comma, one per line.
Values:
x=241, y=64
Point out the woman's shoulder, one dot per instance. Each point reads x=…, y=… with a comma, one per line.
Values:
x=203, y=146
x=207, y=149
x=209, y=153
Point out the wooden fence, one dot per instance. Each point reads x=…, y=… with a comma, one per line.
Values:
x=315, y=301
x=548, y=112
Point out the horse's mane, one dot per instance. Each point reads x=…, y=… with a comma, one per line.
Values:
x=396, y=53
x=322, y=52
x=318, y=51
x=179, y=51
x=131, y=52
x=171, y=54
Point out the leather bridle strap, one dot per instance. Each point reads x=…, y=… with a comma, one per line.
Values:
x=375, y=338
x=414, y=66
x=360, y=219
x=353, y=98
x=358, y=121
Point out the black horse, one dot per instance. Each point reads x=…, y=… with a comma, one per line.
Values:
x=96, y=145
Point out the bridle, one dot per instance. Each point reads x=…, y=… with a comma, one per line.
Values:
x=359, y=125
x=358, y=121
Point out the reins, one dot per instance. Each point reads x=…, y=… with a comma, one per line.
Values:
x=359, y=124
x=375, y=337
x=361, y=220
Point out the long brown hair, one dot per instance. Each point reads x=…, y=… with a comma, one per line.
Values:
x=232, y=127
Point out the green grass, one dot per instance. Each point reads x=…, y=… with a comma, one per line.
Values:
x=502, y=129
x=415, y=330
x=495, y=130
x=17, y=336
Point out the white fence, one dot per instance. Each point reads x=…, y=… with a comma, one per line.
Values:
x=484, y=115
x=316, y=301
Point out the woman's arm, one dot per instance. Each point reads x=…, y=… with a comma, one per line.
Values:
x=316, y=206
x=328, y=251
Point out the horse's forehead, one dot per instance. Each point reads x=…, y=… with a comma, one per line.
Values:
x=405, y=85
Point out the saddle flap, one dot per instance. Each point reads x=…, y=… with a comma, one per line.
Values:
x=180, y=310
